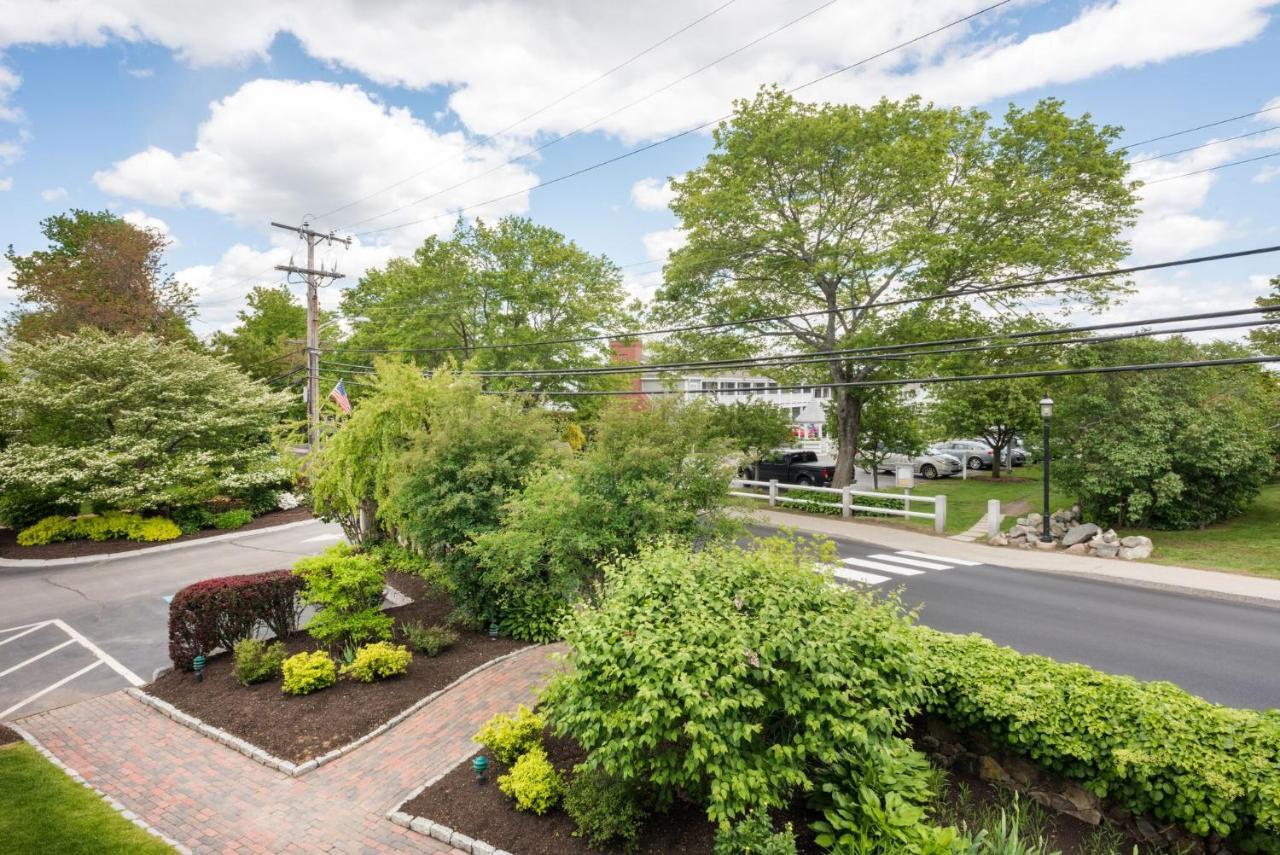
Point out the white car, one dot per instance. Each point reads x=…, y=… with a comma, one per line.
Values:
x=928, y=466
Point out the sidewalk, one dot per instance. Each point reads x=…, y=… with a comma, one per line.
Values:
x=210, y=798
x=1205, y=583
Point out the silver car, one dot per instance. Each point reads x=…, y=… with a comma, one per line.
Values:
x=976, y=455
x=928, y=466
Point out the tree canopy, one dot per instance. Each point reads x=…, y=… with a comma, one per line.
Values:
x=1267, y=338
x=808, y=207
x=96, y=422
x=267, y=342
x=98, y=272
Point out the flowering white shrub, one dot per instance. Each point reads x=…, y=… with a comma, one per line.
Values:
x=286, y=501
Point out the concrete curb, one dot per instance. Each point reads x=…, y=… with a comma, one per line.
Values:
x=114, y=805
x=1188, y=581
x=295, y=770
x=436, y=830
x=19, y=563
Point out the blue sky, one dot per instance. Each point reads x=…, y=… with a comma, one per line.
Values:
x=208, y=124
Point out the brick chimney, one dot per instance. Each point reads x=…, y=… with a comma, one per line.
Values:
x=631, y=353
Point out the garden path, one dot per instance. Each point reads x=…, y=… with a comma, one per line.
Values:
x=210, y=798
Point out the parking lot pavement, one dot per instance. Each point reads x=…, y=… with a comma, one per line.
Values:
x=50, y=663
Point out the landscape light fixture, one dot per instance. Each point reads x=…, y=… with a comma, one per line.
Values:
x=1046, y=412
x=481, y=765
x=493, y=629
x=198, y=664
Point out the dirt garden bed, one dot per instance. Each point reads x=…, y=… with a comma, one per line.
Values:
x=305, y=727
x=8, y=736
x=9, y=547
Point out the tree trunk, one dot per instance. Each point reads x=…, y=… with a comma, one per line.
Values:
x=368, y=520
x=848, y=425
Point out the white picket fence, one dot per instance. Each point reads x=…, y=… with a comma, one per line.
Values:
x=847, y=504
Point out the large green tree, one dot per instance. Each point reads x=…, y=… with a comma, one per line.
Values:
x=513, y=282
x=96, y=422
x=807, y=207
x=268, y=340
x=98, y=272
x=1267, y=338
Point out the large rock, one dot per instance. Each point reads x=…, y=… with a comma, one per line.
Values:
x=1104, y=549
x=1033, y=520
x=1079, y=534
x=1133, y=553
x=1078, y=549
x=1135, y=540
x=1110, y=536
x=998, y=540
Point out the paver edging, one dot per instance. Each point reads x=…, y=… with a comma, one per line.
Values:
x=110, y=800
x=438, y=831
x=295, y=770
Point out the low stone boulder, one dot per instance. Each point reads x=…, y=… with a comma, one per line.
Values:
x=1136, y=547
x=1080, y=534
x=1105, y=549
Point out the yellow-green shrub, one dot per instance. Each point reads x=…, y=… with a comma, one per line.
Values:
x=48, y=530
x=509, y=736
x=377, y=661
x=305, y=673
x=533, y=782
x=155, y=529
x=107, y=526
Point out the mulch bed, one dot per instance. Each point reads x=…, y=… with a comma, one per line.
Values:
x=303, y=728
x=9, y=547
x=8, y=736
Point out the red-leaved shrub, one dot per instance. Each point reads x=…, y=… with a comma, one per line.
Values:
x=219, y=612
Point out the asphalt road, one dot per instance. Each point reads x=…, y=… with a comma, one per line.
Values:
x=75, y=631
x=1220, y=650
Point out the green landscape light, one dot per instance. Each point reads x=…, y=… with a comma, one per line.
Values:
x=198, y=665
x=493, y=629
x=481, y=765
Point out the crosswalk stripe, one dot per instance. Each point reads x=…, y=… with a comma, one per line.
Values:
x=850, y=575
x=928, y=557
x=877, y=565
x=912, y=562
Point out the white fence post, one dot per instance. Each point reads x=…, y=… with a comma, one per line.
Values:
x=993, y=517
x=773, y=492
x=846, y=502
x=940, y=514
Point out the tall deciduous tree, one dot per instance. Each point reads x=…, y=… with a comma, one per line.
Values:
x=752, y=427
x=806, y=207
x=1268, y=338
x=98, y=272
x=890, y=424
x=267, y=341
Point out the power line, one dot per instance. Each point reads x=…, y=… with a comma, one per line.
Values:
x=692, y=130
x=1213, y=168
x=1016, y=284
x=1201, y=127
x=1204, y=145
x=596, y=121
x=488, y=137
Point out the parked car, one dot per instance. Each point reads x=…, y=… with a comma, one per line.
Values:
x=976, y=455
x=792, y=466
x=1017, y=452
x=928, y=465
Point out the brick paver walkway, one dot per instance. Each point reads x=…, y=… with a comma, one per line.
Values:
x=213, y=799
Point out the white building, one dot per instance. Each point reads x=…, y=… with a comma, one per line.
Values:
x=807, y=405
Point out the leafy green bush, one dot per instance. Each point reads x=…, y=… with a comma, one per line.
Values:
x=305, y=673
x=533, y=782
x=194, y=519
x=378, y=661
x=509, y=736
x=108, y=526
x=348, y=589
x=429, y=640
x=1151, y=747
x=733, y=676
x=233, y=519
x=256, y=661
x=754, y=835
x=605, y=810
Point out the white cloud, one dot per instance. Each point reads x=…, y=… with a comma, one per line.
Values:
x=535, y=52
x=143, y=220
x=280, y=150
x=140, y=73
x=6, y=184
x=652, y=194
x=1266, y=175
x=657, y=245
x=54, y=194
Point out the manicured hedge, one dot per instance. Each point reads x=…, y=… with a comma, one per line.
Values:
x=219, y=612
x=1151, y=747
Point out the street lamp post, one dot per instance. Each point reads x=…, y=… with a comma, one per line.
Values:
x=1046, y=411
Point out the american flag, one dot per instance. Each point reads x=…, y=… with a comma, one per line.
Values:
x=339, y=395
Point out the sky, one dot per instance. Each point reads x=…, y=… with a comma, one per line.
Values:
x=383, y=120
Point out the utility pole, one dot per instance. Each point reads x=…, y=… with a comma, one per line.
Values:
x=312, y=276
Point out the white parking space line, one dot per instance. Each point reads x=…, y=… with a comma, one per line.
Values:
x=928, y=557
x=105, y=657
x=37, y=625
x=47, y=689
x=849, y=575
x=33, y=628
x=37, y=657
x=322, y=537
x=880, y=565
x=911, y=562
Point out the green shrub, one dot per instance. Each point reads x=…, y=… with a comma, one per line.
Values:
x=429, y=640
x=733, y=676
x=1150, y=747
x=347, y=587
x=155, y=529
x=192, y=520
x=534, y=614
x=533, y=782
x=256, y=661
x=305, y=673
x=378, y=661
x=47, y=530
x=605, y=810
x=232, y=519
x=754, y=835
x=509, y=736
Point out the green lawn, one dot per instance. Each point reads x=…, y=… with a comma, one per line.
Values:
x=42, y=810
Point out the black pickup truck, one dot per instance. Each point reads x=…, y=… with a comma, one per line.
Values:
x=791, y=467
